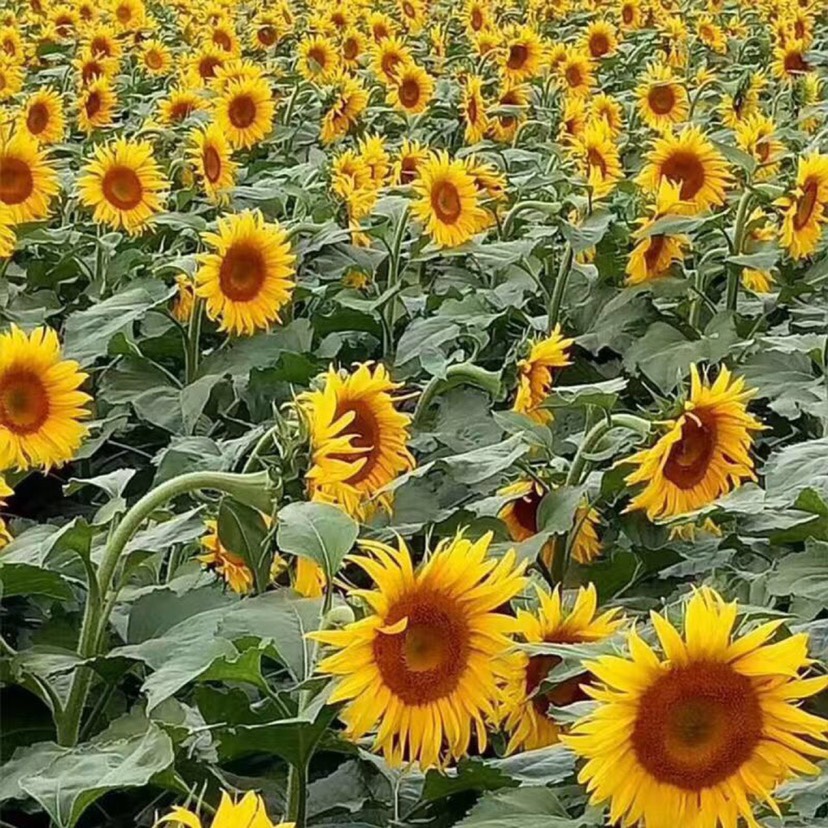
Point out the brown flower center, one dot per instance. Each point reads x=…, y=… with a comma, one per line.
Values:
x=596, y=159
x=153, y=59
x=697, y=725
x=319, y=57
x=350, y=48
x=92, y=104
x=627, y=13
x=689, y=458
x=207, y=67
x=653, y=253
x=806, y=204
x=598, y=44
x=92, y=70
x=242, y=111
x=24, y=402
x=222, y=40
x=37, y=118
x=476, y=19
x=795, y=62
x=122, y=188
x=267, y=35
x=242, y=273
x=574, y=76
x=365, y=434
x=212, y=163
x=518, y=55
x=684, y=168
x=16, y=181
x=181, y=110
x=425, y=661
x=445, y=201
x=123, y=13
x=409, y=92
x=661, y=99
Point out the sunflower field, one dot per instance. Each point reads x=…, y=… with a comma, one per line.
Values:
x=414, y=413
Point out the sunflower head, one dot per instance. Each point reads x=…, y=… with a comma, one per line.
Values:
x=27, y=181
x=407, y=166
x=411, y=90
x=806, y=210
x=662, y=101
x=249, y=811
x=535, y=374
x=42, y=117
x=244, y=111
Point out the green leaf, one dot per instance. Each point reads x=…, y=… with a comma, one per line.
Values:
x=794, y=468
x=26, y=579
x=518, y=804
x=318, y=531
x=589, y=232
x=804, y=574
x=558, y=507
x=243, y=530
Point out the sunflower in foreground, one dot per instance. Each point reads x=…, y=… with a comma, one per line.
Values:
x=249, y=278
x=690, y=733
x=244, y=112
x=40, y=404
x=42, y=117
x=805, y=210
x=248, y=812
x=704, y=454
x=8, y=238
x=358, y=438
x=124, y=185
x=27, y=181
x=691, y=161
x=210, y=154
x=447, y=203
x=427, y=664
x=535, y=375
x=526, y=704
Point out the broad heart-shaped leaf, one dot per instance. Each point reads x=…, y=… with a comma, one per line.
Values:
x=558, y=507
x=794, y=468
x=243, y=531
x=319, y=531
x=25, y=579
x=589, y=232
x=88, y=332
x=545, y=766
x=66, y=781
x=804, y=574
x=513, y=804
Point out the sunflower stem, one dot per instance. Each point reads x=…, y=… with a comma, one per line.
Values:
x=192, y=351
x=394, y=271
x=466, y=373
x=248, y=488
x=550, y=207
x=735, y=271
x=560, y=286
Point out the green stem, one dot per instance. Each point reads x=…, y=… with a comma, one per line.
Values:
x=246, y=488
x=258, y=450
x=735, y=271
x=550, y=207
x=193, y=351
x=697, y=301
x=394, y=270
x=560, y=286
x=465, y=373
x=297, y=795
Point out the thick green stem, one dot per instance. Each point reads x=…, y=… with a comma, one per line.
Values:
x=465, y=373
x=297, y=795
x=734, y=270
x=550, y=207
x=560, y=286
x=394, y=271
x=248, y=488
x=192, y=351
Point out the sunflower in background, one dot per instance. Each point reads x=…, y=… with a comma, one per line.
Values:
x=756, y=135
x=575, y=73
x=526, y=703
x=407, y=165
x=600, y=39
x=390, y=55
x=353, y=46
x=249, y=278
x=503, y=126
x=318, y=60
x=411, y=90
x=179, y=105
x=805, y=210
x=473, y=109
x=11, y=80
x=184, y=302
x=597, y=159
x=244, y=112
x=535, y=375
x=203, y=65
x=523, y=54
x=358, y=439
x=373, y=153
x=605, y=108
x=427, y=662
x=704, y=454
x=349, y=102
x=96, y=106
x=124, y=185
x=662, y=101
x=573, y=120
x=28, y=183
x=691, y=732
x=211, y=156
x=249, y=811
x=42, y=117
x=41, y=406
x=91, y=67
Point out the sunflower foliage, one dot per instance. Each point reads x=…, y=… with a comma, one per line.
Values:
x=413, y=413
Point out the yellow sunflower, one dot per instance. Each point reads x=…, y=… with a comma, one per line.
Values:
x=182, y=308
x=600, y=40
x=407, y=166
x=42, y=117
x=805, y=210
x=318, y=59
x=535, y=375
x=473, y=110
x=103, y=42
x=230, y=566
x=789, y=60
x=179, y=105
x=248, y=812
x=381, y=26
x=503, y=126
x=267, y=31
x=690, y=733
x=249, y=278
x=426, y=664
x=204, y=64
x=358, y=439
x=447, y=201
x=690, y=160
x=244, y=112
x=757, y=281
x=662, y=102
x=630, y=14
x=390, y=55
x=411, y=90
x=8, y=239
x=524, y=54
x=704, y=454
x=40, y=404
x=124, y=185
x=477, y=15
x=573, y=120
x=597, y=158
x=92, y=67
x=756, y=135
x=711, y=34
x=605, y=108
x=224, y=36
x=575, y=72
x=210, y=154
x=526, y=703
x=352, y=47
x=129, y=15
x=96, y=106
x=27, y=181
x=350, y=101
x=11, y=80
x=373, y=154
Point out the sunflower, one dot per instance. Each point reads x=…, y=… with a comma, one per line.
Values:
x=689, y=734
x=711, y=34
x=42, y=117
x=575, y=73
x=179, y=105
x=182, y=308
x=248, y=812
x=757, y=281
x=704, y=454
x=103, y=42
x=352, y=47
x=249, y=277
x=411, y=90
x=91, y=67
x=124, y=185
x=407, y=166
x=349, y=171
x=756, y=136
x=477, y=15
x=447, y=203
x=600, y=40
x=12, y=47
x=573, y=120
x=427, y=663
x=413, y=14
x=524, y=54
x=244, y=112
x=654, y=253
x=27, y=181
x=11, y=80
x=267, y=31
x=309, y=578
x=789, y=62
x=487, y=41
x=211, y=156
x=520, y=515
x=350, y=101
x=373, y=154
x=96, y=106
x=5, y=491
x=318, y=60
x=605, y=108
x=230, y=566
x=473, y=110
x=8, y=239
x=204, y=64
x=526, y=703
x=630, y=14
x=224, y=36
x=662, y=103
x=40, y=404
x=381, y=26
x=390, y=56
x=129, y=15
x=597, y=158
x=805, y=210
x=535, y=375
x=357, y=439
x=690, y=160
x=504, y=125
